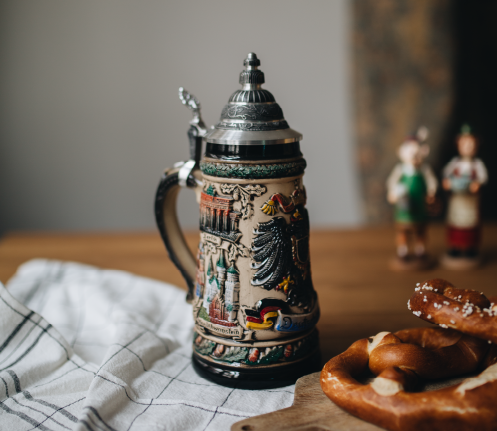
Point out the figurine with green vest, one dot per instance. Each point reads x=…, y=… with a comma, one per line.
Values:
x=411, y=187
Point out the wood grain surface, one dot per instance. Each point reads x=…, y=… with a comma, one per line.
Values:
x=359, y=296
x=311, y=411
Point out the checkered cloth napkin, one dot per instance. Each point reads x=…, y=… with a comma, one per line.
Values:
x=111, y=352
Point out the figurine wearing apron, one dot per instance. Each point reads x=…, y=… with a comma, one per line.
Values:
x=463, y=176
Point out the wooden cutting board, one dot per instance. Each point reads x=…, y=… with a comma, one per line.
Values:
x=311, y=411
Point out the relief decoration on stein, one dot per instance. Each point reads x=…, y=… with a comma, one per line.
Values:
x=280, y=250
x=255, y=355
x=280, y=258
x=279, y=255
x=218, y=288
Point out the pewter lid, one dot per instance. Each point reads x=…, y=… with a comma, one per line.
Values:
x=252, y=116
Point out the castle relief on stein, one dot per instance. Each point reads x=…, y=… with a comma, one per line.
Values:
x=218, y=278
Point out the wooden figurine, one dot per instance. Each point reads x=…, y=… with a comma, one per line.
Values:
x=411, y=186
x=463, y=177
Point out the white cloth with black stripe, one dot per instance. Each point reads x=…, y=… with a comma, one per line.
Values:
x=111, y=352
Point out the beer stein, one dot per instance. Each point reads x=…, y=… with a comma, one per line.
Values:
x=254, y=305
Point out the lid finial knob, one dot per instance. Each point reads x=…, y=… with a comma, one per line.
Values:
x=251, y=75
x=251, y=61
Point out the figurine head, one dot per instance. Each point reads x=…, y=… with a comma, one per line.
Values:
x=467, y=144
x=412, y=152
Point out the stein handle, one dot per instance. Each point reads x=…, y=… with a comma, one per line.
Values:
x=183, y=174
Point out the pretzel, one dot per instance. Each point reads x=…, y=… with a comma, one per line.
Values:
x=471, y=312
x=397, y=360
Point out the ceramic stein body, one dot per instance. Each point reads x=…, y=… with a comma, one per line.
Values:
x=254, y=305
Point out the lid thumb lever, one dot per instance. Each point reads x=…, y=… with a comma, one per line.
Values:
x=196, y=132
x=197, y=128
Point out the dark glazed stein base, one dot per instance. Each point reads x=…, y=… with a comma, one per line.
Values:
x=281, y=376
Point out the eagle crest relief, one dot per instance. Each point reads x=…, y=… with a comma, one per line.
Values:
x=280, y=252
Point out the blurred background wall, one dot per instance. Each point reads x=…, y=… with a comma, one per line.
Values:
x=90, y=117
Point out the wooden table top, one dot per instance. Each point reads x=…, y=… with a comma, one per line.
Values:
x=359, y=296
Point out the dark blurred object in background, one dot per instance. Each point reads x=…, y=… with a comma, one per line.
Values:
x=430, y=62
x=475, y=72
